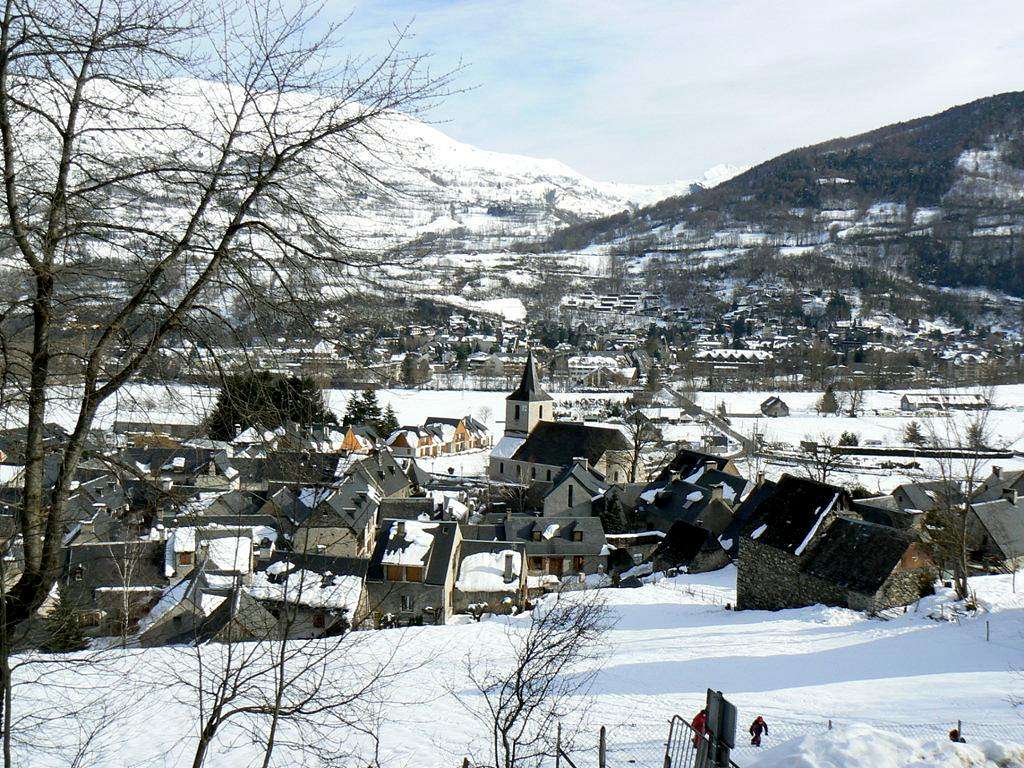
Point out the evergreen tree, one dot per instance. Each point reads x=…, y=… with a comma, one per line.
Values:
x=364, y=409
x=611, y=515
x=268, y=400
x=389, y=422
x=828, y=403
x=913, y=434
x=64, y=631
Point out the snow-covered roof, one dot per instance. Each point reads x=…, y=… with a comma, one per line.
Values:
x=309, y=588
x=485, y=572
x=417, y=542
x=507, y=446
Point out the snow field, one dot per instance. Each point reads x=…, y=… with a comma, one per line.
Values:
x=672, y=639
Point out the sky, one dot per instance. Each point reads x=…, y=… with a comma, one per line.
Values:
x=652, y=91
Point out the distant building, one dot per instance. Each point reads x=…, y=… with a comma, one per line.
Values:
x=935, y=401
x=536, y=448
x=775, y=407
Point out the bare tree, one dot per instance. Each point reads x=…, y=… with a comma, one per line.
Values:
x=643, y=438
x=554, y=661
x=139, y=202
x=959, y=443
x=821, y=457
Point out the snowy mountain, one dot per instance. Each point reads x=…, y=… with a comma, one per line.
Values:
x=939, y=198
x=393, y=180
x=446, y=190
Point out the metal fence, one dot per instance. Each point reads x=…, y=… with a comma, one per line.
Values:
x=671, y=744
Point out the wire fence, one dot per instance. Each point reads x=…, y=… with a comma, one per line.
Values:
x=645, y=744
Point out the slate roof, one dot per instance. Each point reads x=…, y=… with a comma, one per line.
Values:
x=682, y=544
x=438, y=556
x=857, y=555
x=992, y=487
x=789, y=516
x=105, y=564
x=1004, y=523
x=353, y=505
x=929, y=496
x=687, y=462
x=557, y=443
x=520, y=529
x=678, y=501
x=741, y=516
x=529, y=389
x=381, y=468
x=590, y=479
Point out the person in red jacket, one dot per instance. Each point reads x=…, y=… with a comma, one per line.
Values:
x=700, y=726
x=758, y=727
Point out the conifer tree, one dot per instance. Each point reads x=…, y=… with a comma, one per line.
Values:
x=388, y=423
x=63, y=628
x=829, y=403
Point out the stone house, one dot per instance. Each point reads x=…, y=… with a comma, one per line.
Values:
x=343, y=523
x=573, y=491
x=776, y=537
x=411, y=574
x=995, y=532
x=867, y=567
x=558, y=547
x=775, y=407
x=801, y=546
x=491, y=577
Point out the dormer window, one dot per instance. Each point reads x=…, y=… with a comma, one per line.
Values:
x=577, y=535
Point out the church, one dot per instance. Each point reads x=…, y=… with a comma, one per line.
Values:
x=538, y=448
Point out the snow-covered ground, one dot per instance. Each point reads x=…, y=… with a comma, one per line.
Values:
x=912, y=674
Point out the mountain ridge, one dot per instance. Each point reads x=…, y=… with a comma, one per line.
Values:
x=939, y=197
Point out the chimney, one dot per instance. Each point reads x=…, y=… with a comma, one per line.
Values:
x=760, y=477
x=509, y=558
x=400, y=528
x=1010, y=494
x=717, y=491
x=710, y=465
x=582, y=461
x=997, y=472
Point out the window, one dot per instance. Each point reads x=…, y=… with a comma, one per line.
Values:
x=536, y=535
x=536, y=563
x=501, y=467
x=540, y=412
x=413, y=573
x=318, y=620
x=533, y=473
x=394, y=573
x=185, y=558
x=577, y=563
x=406, y=602
x=577, y=535
x=571, y=489
x=549, y=475
x=517, y=413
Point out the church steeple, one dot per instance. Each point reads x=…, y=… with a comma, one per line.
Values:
x=528, y=403
x=529, y=388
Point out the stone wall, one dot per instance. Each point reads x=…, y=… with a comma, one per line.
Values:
x=769, y=579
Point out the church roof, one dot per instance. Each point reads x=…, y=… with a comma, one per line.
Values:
x=529, y=389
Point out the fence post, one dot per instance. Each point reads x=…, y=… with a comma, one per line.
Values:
x=960, y=727
x=465, y=762
x=986, y=631
x=558, y=747
x=601, y=750
x=830, y=724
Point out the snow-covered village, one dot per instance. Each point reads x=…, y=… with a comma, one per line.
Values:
x=549, y=385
